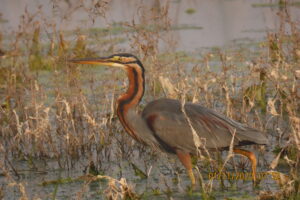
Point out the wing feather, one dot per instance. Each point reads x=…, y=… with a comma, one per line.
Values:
x=172, y=128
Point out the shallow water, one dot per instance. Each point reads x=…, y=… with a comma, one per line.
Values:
x=214, y=23
x=33, y=180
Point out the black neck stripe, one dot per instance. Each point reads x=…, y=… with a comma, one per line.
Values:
x=137, y=86
x=122, y=103
x=136, y=89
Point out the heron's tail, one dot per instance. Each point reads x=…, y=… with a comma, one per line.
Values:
x=251, y=136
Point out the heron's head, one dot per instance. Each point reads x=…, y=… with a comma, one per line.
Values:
x=121, y=60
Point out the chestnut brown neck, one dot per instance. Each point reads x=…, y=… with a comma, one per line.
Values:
x=131, y=98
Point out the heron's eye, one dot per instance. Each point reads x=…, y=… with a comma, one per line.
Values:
x=117, y=58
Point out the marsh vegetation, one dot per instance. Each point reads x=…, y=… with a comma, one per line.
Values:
x=59, y=134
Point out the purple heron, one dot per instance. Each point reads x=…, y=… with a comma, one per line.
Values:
x=164, y=125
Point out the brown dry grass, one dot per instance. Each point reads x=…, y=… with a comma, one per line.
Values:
x=71, y=115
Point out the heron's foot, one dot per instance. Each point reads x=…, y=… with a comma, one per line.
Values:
x=256, y=183
x=192, y=177
x=251, y=156
x=190, y=189
x=185, y=159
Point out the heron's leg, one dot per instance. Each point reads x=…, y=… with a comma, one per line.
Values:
x=185, y=159
x=251, y=156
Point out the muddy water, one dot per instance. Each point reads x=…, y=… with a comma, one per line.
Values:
x=161, y=179
x=215, y=22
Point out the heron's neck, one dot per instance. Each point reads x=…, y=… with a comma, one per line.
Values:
x=131, y=98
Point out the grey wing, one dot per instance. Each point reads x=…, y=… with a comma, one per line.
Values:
x=172, y=128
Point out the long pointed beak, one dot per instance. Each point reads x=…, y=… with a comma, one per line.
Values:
x=97, y=61
x=92, y=61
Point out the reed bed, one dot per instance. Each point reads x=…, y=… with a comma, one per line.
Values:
x=63, y=115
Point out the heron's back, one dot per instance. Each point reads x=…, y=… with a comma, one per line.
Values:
x=171, y=126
